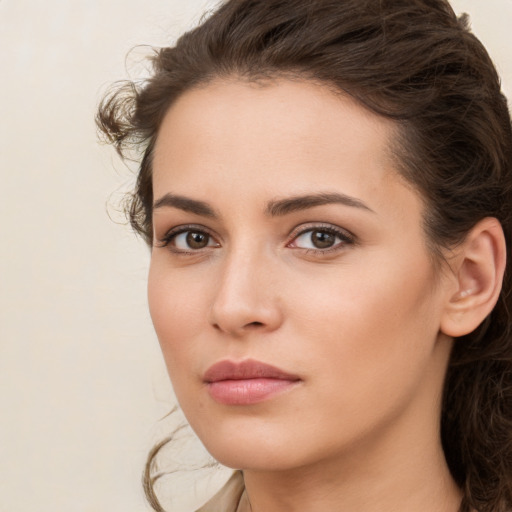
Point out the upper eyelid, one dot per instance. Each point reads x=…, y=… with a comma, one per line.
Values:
x=319, y=226
x=181, y=228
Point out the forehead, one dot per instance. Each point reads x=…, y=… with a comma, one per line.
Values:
x=278, y=125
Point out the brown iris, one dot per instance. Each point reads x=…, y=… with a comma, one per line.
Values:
x=322, y=239
x=197, y=240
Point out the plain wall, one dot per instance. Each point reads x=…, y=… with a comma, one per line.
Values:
x=82, y=383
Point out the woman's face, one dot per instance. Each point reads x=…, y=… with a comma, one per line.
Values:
x=290, y=286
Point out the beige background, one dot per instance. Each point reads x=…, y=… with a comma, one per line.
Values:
x=82, y=384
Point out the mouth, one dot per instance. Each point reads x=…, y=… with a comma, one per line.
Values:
x=247, y=382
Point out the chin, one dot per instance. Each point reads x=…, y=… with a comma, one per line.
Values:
x=250, y=447
x=255, y=458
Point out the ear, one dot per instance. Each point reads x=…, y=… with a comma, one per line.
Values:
x=478, y=269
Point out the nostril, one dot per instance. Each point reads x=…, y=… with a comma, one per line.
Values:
x=255, y=324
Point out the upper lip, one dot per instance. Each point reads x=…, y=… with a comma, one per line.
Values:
x=247, y=369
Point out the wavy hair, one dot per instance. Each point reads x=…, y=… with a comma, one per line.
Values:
x=416, y=63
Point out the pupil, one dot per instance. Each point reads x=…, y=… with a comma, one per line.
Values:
x=322, y=240
x=197, y=240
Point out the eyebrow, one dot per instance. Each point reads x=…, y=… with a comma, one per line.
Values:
x=275, y=207
x=279, y=207
x=186, y=204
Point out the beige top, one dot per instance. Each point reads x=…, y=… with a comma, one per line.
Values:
x=231, y=498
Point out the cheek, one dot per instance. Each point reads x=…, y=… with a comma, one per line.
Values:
x=178, y=305
x=373, y=330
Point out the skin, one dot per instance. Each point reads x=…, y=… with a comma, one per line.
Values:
x=358, y=322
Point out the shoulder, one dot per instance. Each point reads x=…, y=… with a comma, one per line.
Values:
x=229, y=498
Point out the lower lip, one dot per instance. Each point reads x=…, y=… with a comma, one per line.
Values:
x=247, y=391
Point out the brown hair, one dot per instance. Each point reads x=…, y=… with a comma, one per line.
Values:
x=411, y=61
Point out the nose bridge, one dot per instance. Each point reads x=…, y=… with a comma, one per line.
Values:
x=246, y=294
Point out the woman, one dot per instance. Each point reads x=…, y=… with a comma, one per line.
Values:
x=327, y=190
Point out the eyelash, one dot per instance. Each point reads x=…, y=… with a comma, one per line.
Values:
x=345, y=237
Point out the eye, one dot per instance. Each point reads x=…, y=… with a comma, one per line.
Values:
x=188, y=240
x=321, y=239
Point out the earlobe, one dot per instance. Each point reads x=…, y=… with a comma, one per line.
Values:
x=478, y=270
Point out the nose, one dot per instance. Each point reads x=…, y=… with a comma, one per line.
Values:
x=247, y=296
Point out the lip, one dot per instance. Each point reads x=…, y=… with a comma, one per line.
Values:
x=246, y=382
